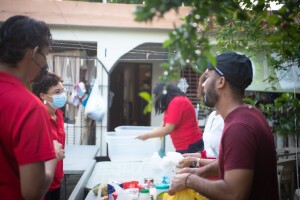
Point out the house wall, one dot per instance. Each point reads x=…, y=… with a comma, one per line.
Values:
x=112, y=43
x=88, y=14
x=111, y=26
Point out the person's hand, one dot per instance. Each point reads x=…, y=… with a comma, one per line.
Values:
x=60, y=152
x=187, y=170
x=142, y=137
x=195, y=155
x=186, y=162
x=178, y=183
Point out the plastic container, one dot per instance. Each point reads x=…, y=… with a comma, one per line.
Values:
x=133, y=193
x=160, y=190
x=134, y=130
x=144, y=195
x=122, y=146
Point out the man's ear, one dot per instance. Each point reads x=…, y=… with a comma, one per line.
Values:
x=34, y=52
x=221, y=82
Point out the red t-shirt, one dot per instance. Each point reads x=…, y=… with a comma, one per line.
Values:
x=24, y=133
x=58, y=133
x=181, y=112
x=247, y=143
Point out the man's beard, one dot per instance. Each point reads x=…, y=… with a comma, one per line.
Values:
x=210, y=96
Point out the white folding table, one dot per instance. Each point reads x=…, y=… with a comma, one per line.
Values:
x=78, y=158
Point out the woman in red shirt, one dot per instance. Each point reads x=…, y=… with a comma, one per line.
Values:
x=51, y=91
x=179, y=119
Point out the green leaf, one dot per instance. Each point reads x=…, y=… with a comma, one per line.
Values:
x=274, y=19
x=233, y=25
x=146, y=96
x=212, y=59
x=147, y=109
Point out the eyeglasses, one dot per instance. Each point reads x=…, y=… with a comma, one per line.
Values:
x=58, y=92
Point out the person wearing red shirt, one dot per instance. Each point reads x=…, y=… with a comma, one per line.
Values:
x=246, y=164
x=28, y=153
x=211, y=137
x=179, y=119
x=51, y=91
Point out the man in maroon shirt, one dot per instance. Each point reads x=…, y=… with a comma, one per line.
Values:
x=247, y=159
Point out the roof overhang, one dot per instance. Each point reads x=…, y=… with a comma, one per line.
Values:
x=87, y=14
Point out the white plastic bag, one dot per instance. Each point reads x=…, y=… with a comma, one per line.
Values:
x=80, y=89
x=122, y=194
x=151, y=167
x=168, y=164
x=95, y=106
x=74, y=98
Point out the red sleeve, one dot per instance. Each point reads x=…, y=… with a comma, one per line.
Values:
x=32, y=139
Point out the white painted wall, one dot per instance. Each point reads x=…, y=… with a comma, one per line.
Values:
x=112, y=43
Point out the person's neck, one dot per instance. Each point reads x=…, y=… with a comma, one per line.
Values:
x=52, y=112
x=13, y=71
x=226, y=107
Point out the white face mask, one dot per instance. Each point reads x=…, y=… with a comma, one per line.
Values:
x=59, y=100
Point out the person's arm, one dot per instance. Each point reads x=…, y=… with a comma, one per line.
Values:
x=32, y=177
x=50, y=165
x=36, y=177
x=209, y=170
x=236, y=184
x=158, y=132
x=191, y=161
x=195, y=155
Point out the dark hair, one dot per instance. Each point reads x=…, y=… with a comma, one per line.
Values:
x=43, y=86
x=163, y=95
x=201, y=80
x=19, y=33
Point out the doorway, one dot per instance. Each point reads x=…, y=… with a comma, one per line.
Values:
x=127, y=80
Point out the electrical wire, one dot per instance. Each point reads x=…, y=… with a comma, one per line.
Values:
x=70, y=28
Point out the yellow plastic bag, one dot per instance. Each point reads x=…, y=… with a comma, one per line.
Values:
x=187, y=194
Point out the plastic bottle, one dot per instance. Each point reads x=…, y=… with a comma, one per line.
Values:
x=160, y=190
x=144, y=195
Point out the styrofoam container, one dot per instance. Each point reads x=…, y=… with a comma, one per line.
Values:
x=122, y=146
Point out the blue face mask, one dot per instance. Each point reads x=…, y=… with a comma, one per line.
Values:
x=59, y=100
